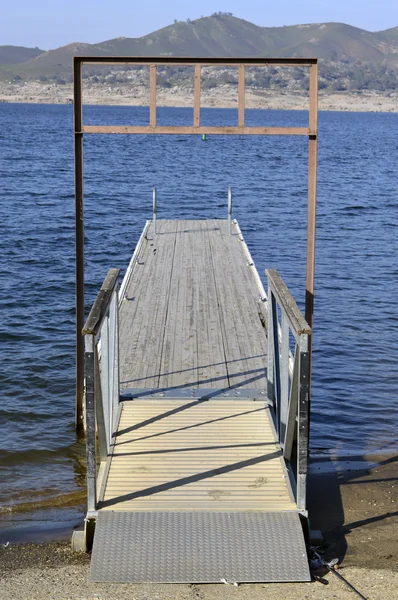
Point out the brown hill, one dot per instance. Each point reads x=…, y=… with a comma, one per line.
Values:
x=225, y=35
x=10, y=55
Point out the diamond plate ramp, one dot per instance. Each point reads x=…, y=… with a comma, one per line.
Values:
x=198, y=547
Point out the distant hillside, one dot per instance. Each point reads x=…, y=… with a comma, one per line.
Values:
x=346, y=51
x=11, y=55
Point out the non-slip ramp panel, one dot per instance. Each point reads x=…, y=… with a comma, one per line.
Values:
x=198, y=547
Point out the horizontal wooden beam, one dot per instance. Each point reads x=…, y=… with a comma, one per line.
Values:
x=181, y=130
x=183, y=60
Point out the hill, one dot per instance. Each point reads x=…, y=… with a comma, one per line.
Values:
x=12, y=55
x=346, y=52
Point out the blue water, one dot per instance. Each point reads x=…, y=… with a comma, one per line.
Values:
x=355, y=376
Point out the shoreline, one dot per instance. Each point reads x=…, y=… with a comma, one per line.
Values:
x=224, y=96
x=54, y=519
x=354, y=503
x=35, y=572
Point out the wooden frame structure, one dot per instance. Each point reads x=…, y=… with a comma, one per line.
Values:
x=152, y=128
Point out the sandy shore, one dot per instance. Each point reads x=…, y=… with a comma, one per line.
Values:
x=222, y=96
x=354, y=504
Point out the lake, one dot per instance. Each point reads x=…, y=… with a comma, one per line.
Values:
x=355, y=363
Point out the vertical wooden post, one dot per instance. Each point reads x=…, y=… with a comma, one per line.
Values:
x=196, y=99
x=152, y=95
x=312, y=180
x=79, y=240
x=241, y=96
x=311, y=227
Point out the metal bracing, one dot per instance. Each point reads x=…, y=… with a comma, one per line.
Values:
x=288, y=390
x=152, y=128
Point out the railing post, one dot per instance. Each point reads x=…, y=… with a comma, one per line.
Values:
x=293, y=406
x=270, y=361
x=230, y=210
x=154, y=208
x=99, y=407
x=277, y=368
x=284, y=376
x=105, y=376
x=303, y=421
x=90, y=424
x=114, y=316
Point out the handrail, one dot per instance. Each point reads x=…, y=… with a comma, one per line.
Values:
x=102, y=382
x=286, y=301
x=288, y=390
x=101, y=303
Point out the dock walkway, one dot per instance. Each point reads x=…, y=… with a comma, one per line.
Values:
x=189, y=315
x=190, y=327
x=194, y=444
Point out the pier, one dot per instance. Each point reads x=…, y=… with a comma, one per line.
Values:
x=195, y=383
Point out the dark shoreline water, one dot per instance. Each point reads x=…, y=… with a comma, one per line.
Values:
x=355, y=380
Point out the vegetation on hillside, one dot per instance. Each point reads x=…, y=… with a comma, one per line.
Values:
x=351, y=59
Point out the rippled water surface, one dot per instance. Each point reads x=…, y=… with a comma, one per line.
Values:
x=355, y=378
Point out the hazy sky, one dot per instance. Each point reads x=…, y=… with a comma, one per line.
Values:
x=50, y=23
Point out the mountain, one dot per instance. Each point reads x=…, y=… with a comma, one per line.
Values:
x=11, y=55
x=222, y=35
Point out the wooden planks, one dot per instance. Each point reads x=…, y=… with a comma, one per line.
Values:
x=195, y=455
x=190, y=313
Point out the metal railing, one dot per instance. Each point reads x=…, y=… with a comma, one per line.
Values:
x=101, y=360
x=288, y=379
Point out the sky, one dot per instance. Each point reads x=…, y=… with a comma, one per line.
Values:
x=49, y=24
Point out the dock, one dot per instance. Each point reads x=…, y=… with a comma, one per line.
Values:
x=189, y=433
x=196, y=395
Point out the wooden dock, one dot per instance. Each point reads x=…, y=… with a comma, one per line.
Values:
x=189, y=316
x=190, y=422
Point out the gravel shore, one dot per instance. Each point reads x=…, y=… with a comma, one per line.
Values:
x=224, y=96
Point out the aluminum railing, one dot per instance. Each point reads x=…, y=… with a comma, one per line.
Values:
x=101, y=360
x=289, y=388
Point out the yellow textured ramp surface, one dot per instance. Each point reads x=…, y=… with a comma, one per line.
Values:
x=196, y=455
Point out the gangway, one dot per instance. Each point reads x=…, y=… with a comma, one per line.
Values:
x=196, y=391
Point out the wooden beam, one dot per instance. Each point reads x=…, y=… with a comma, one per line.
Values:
x=312, y=185
x=79, y=240
x=314, y=100
x=152, y=95
x=196, y=100
x=180, y=130
x=176, y=60
x=241, y=96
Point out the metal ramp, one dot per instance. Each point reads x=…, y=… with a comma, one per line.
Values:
x=199, y=547
x=197, y=491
